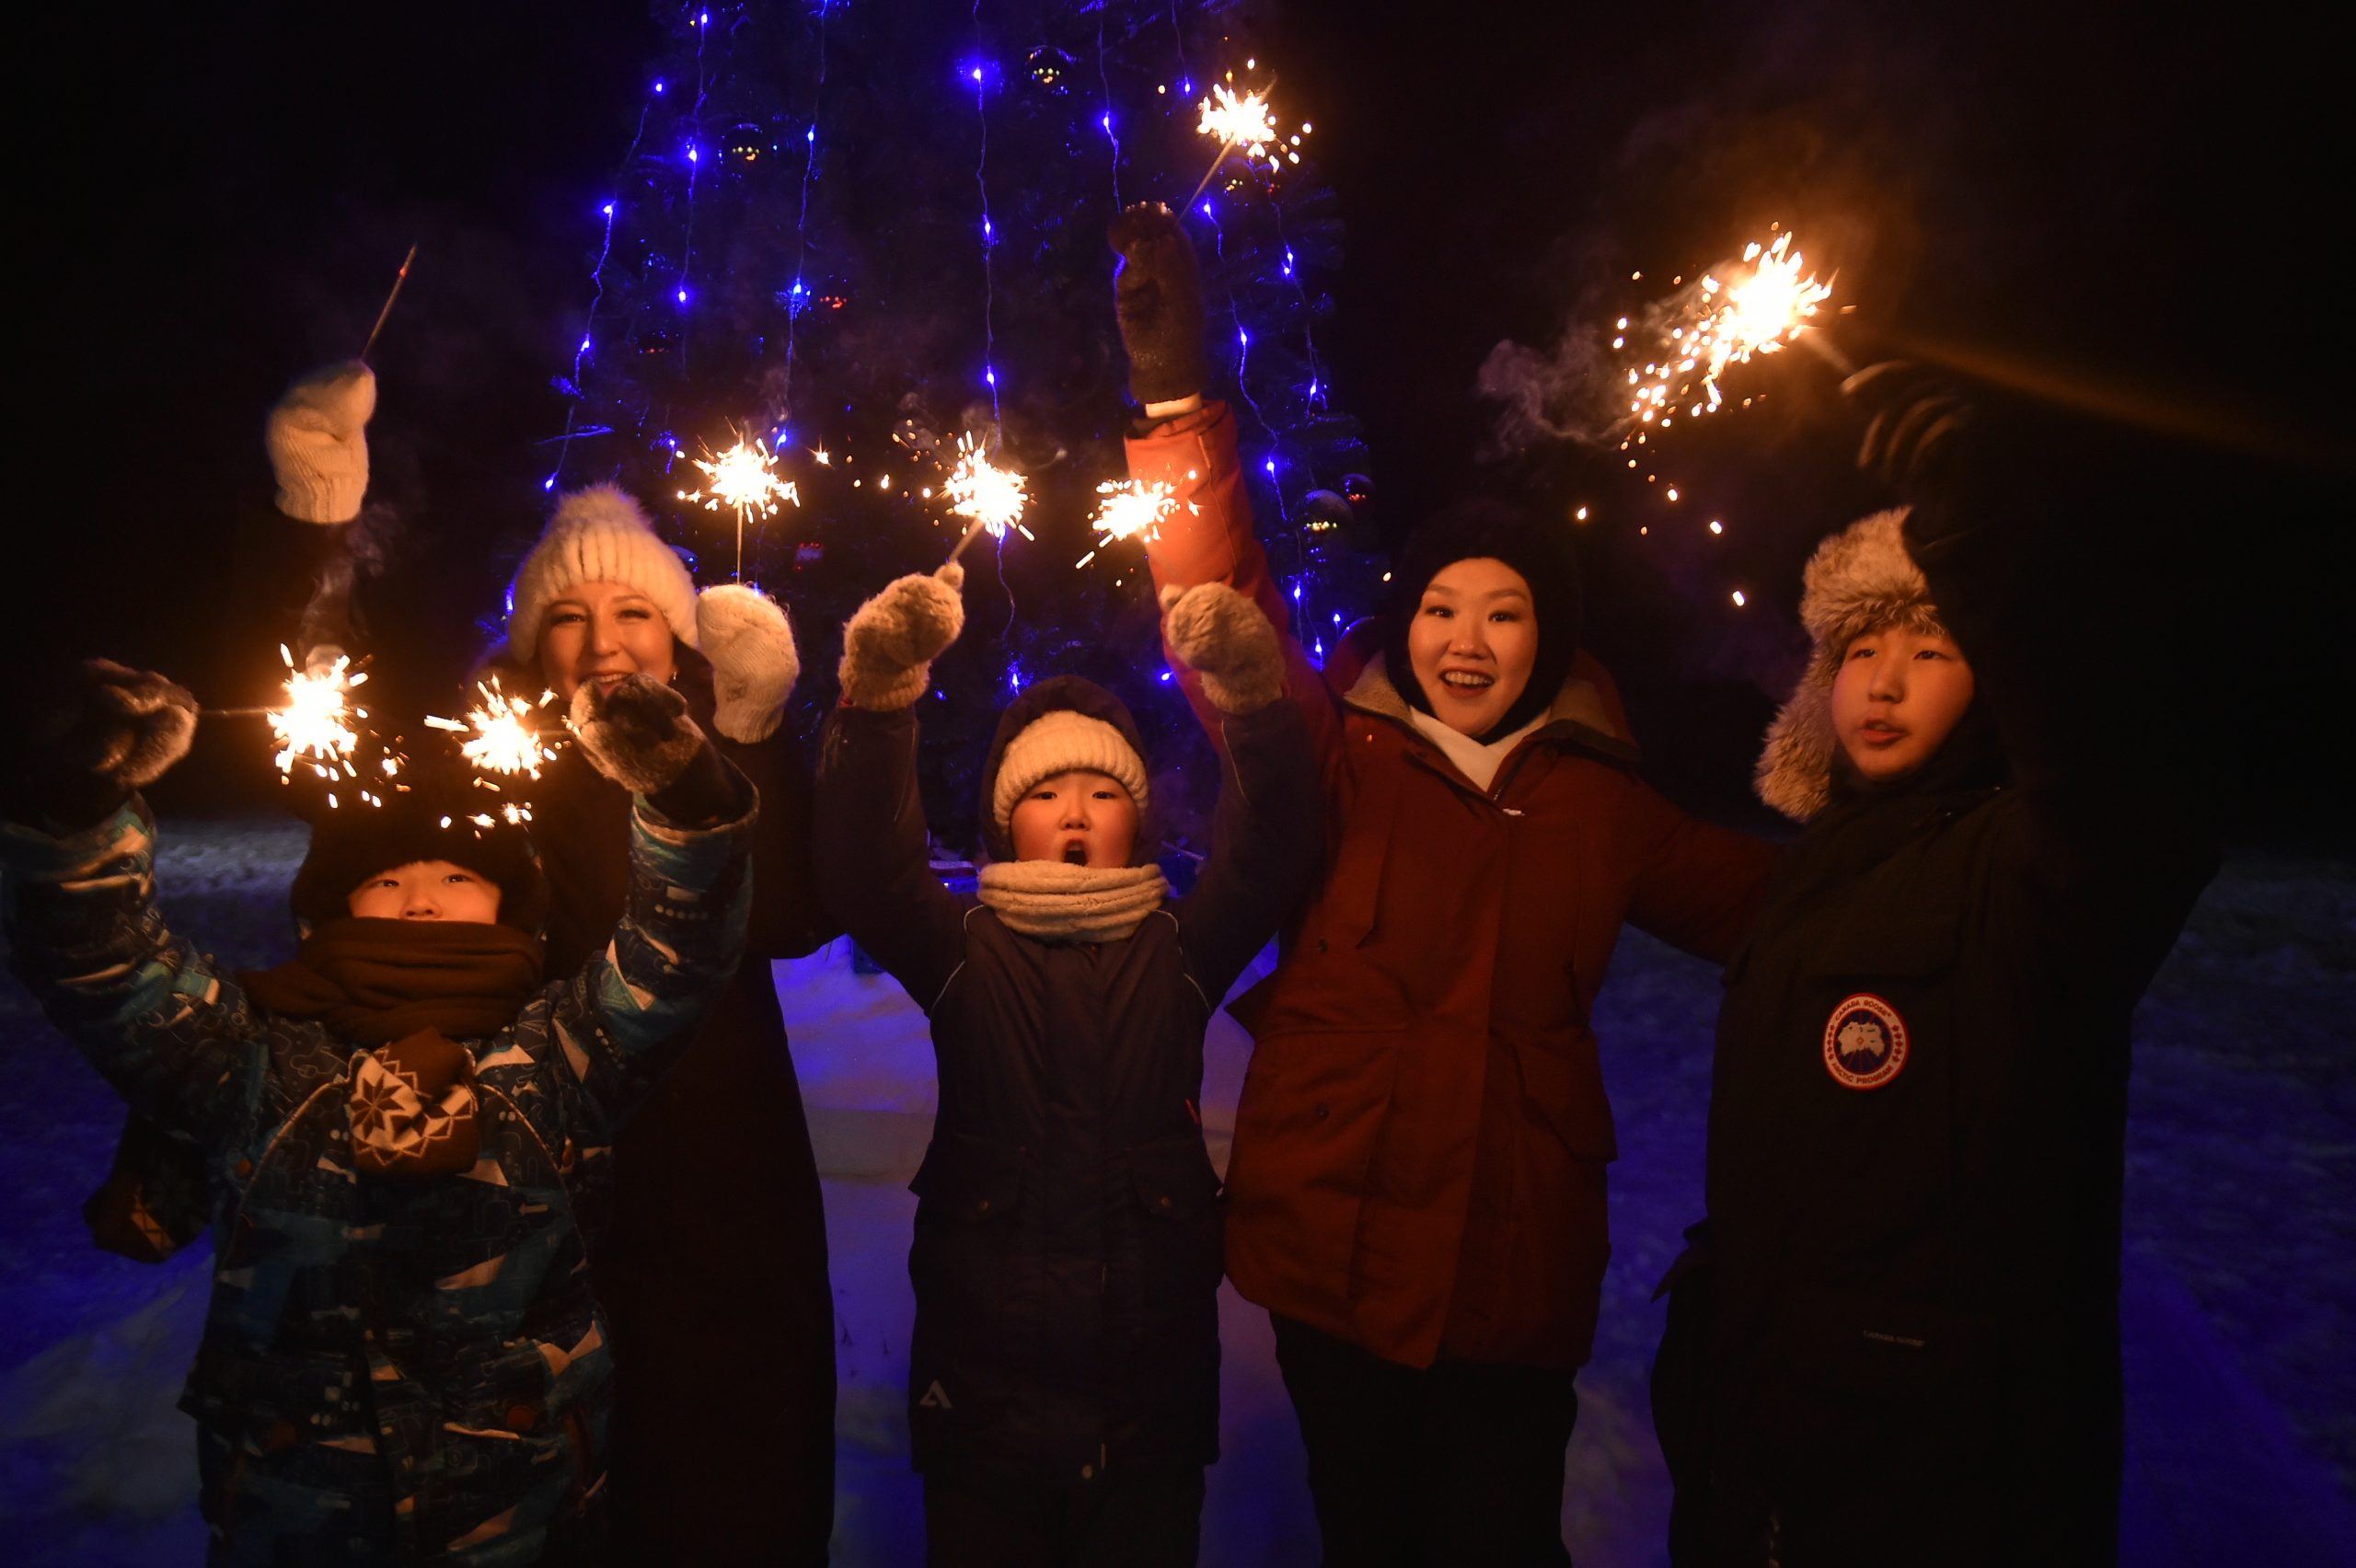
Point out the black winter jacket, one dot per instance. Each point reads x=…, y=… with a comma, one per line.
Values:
x=1904, y=1341
x=1068, y=1245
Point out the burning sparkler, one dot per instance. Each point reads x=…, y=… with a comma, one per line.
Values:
x=1238, y=121
x=989, y=497
x=744, y=478
x=1132, y=509
x=314, y=727
x=501, y=736
x=1763, y=302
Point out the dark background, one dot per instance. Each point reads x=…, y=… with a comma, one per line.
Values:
x=216, y=197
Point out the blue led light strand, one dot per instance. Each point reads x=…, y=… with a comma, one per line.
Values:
x=1105, y=117
x=990, y=234
x=597, y=298
x=694, y=168
x=801, y=223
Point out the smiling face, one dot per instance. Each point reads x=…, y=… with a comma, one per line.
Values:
x=426, y=890
x=1081, y=818
x=602, y=632
x=1896, y=698
x=1473, y=643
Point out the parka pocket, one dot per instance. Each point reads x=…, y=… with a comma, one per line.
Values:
x=1179, y=1239
x=1308, y=1131
x=961, y=1263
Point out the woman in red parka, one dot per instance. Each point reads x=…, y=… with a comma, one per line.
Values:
x=1416, y=1187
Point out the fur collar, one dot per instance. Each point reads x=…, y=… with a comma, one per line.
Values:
x=1577, y=714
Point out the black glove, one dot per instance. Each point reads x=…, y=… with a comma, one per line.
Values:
x=639, y=736
x=106, y=730
x=1158, y=294
x=1916, y=424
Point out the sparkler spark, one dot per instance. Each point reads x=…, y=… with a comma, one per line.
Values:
x=315, y=728
x=1238, y=121
x=1132, y=509
x=744, y=478
x=985, y=495
x=500, y=736
x=1761, y=303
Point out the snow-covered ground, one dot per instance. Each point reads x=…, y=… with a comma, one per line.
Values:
x=2237, y=1306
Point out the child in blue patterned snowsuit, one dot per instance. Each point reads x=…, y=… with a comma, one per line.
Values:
x=405, y=1130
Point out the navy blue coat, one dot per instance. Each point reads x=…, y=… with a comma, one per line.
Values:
x=1068, y=1237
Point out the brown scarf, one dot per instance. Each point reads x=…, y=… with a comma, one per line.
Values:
x=406, y=988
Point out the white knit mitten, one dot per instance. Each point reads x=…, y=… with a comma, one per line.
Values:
x=1222, y=636
x=892, y=640
x=746, y=635
x=318, y=437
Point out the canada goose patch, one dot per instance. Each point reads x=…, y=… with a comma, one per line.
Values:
x=1865, y=1041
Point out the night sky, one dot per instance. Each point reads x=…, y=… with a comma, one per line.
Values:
x=218, y=196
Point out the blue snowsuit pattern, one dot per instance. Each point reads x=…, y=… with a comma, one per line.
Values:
x=392, y=1369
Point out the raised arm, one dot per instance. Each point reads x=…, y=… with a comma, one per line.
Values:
x=749, y=643
x=2003, y=499
x=1188, y=444
x=1267, y=839
x=179, y=1041
x=872, y=865
x=623, y=1018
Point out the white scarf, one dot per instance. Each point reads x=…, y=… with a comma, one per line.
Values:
x=1476, y=761
x=1061, y=902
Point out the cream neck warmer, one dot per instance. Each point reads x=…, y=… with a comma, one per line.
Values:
x=1057, y=903
x=1476, y=761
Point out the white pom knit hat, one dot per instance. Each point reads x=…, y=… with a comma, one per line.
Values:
x=1060, y=740
x=598, y=534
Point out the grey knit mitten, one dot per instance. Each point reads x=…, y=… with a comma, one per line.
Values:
x=318, y=437
x=1222, y=636
x=892, y=640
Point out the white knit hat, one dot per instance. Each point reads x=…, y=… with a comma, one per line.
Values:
x=1061, y=741
x=598, y=534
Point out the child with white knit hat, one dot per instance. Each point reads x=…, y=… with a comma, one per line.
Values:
x=1063, y=1391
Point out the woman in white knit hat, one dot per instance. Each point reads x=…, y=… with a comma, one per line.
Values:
x=714, y=1275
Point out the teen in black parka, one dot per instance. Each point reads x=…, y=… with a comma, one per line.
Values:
x=1067, y=1257
x=1898, y=1341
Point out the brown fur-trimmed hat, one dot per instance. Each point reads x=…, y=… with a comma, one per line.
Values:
x=1860, y=580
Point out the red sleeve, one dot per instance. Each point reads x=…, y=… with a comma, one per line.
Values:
x=1700, y=886
x=1195, y=455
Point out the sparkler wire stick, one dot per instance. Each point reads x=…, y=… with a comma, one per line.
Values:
x=976, y=526
x=1201, y=184
x=398, y=279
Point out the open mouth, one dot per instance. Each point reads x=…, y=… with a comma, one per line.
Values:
x=1075, y=854
x=1467, y=683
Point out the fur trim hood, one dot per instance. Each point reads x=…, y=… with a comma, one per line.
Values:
x=1860, y=580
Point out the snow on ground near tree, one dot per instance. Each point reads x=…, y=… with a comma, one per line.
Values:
x=2237, y=1306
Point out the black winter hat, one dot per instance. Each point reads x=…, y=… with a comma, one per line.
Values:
x=1473, y=529
x=1056, y=693
x=435, y=820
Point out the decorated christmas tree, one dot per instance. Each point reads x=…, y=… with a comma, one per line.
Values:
x=852, y=246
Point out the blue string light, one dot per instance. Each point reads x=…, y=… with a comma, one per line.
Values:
x=589, y=326
x=1104, y=85
x=801, y=226
x=990, y=234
